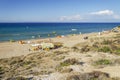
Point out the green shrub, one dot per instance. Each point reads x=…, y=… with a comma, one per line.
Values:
x=117, y=51
x=106, y=42
x=1, y=69
x=118, y=26
x=103, y=62
x=69, y=62
x=75, y=49
x=85, y=49
x=104, y=49
x=64, y=64
x=25, y=63
x=13, y=62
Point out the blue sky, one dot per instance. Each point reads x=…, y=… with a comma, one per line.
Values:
x=59, y=11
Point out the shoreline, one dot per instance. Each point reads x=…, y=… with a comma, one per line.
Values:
x=11, y=49
x=49, y=37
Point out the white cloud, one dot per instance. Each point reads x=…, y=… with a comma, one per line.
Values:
x=103, y=12
x=71, y=18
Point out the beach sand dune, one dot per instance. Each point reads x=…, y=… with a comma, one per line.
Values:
x=62, y=63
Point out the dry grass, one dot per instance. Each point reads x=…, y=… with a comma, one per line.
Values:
x=69, y=62
x=66, y=70
x=95, y=75
x=58, y=58
x=66, y=63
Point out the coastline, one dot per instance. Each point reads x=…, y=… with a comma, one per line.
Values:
x=12, y=49
x=67, y=35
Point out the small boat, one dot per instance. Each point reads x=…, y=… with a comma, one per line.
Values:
x=74, y=29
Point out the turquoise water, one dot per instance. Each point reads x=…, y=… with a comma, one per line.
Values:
x=22, y=31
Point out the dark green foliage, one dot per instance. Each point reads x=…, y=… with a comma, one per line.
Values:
x=27, y=62
x=1, y=69
x=69, y=62
x=106, y=42
x=85, y=48
x=103, y=62
x=117, y=51
x=118, y=26
x=1, y=72
x=76, y=49
x=105, y=49
x=66, y=63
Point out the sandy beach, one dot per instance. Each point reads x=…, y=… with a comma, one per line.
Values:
x=11, y=49
x=48, y=65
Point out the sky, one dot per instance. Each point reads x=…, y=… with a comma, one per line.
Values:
x=59, y=11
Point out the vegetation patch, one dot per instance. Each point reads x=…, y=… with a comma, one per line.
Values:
x=95, y=75
x=1, y=73
x=105, y=49
x=117, y=51
x=106, y=42
x=110, y=46
x=103, y=62
x=60, y=52
x=44, y=72
x=75, y=49
x=118, y=26
x=18, y=78
x=59, y=58
x=25, y=63
x=117, y=61
x=15, y=60
x=69, y=62
x=85, y=49
x=66, y=70
x=66, y=63
x=1, y=69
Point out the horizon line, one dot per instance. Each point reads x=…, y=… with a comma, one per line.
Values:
x=59, y=22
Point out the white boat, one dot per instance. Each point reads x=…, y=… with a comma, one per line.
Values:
x=74, y=29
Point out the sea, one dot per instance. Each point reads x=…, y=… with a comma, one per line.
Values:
x=24, y=31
